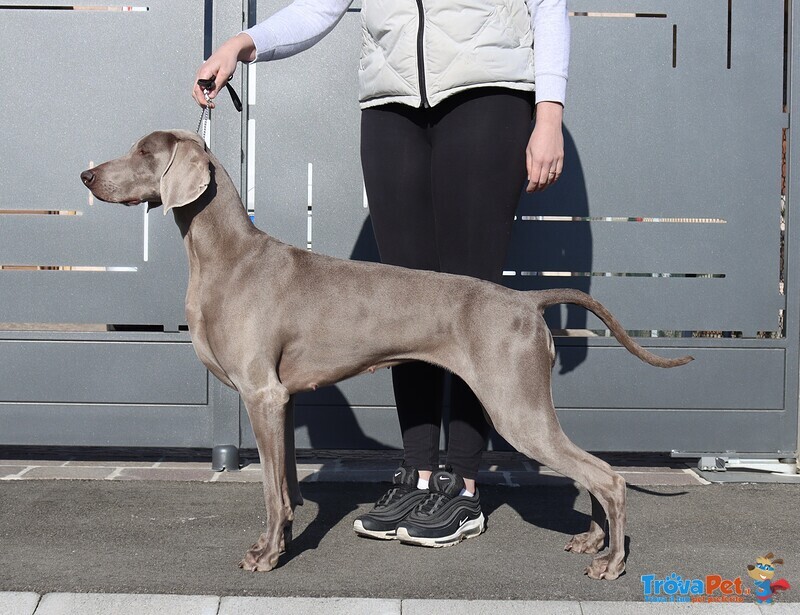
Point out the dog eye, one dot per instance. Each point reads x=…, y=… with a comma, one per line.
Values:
x=143, y=151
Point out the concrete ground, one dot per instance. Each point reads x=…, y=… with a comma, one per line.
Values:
x=70, y=546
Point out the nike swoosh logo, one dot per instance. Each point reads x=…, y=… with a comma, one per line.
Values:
x=463, y=521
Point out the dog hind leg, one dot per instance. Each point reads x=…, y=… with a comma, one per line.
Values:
x=525, y=416
x=606, y=487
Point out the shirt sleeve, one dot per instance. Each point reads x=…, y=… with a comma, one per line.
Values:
x=296, y=28
x=551, y=36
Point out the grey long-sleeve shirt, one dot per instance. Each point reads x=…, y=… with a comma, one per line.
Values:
x=304, y=22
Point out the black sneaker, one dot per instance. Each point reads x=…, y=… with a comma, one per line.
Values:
x=444, y=518
x=381, y=522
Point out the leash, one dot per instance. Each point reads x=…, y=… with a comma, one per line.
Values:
x=205, y=117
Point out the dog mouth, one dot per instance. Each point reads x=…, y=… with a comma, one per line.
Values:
x=107, y=191
x=111, y=199
x=105, y=198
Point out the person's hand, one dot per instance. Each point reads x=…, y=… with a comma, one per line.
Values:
x=222, y=65
x=545, y=152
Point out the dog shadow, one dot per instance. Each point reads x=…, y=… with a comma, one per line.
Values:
x=324, y=431
x=332, y=509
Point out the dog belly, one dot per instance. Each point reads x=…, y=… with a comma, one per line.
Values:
x=310, y=368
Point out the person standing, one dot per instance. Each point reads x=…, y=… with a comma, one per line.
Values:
x=448, y=90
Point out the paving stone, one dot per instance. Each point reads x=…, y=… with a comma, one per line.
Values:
x=490, y=607
x=10, y=470
x=106, y=464
x=369, y=465
x=780, y=608
x=18, y=603
x=239, y=477
x=308, y=476
x=193, y=465
x=662, y=608
x=513, y=466
x=126, y=604
x=32, y=462
x=674, y=478
x=70, y=473
x=303, y=606
x=356, y=476
x=547, y=479
x=491, y=478
x=300, y=466
x=165, y=474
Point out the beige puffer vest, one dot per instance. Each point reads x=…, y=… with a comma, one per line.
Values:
x=418, y=52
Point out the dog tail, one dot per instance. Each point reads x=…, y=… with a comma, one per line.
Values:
x=546, y=298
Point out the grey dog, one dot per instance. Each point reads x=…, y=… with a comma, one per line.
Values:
x=271, y=320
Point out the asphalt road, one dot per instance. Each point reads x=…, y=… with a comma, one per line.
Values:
x=187, y=537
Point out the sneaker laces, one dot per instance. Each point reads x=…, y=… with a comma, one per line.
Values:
x=432, y=503
x=395, y=493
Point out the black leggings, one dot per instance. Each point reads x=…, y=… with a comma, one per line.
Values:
x=443, y=184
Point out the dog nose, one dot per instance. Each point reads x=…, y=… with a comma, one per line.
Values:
x=87, y=177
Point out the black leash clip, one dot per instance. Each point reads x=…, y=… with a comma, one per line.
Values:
x=208, y=84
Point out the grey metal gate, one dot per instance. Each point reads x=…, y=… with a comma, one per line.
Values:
x=89, y=80
x=671, y=210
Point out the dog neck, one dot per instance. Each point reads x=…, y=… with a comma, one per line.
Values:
x=216, y=223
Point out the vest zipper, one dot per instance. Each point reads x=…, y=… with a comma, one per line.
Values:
x=420, y=60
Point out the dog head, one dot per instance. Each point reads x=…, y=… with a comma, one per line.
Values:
x=764, y=569
x=165, y=167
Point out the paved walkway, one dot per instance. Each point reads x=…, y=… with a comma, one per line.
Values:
x=163, y=537
x=499, y=468
x=155, y=604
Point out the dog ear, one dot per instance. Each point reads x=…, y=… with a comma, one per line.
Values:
x=186, y=177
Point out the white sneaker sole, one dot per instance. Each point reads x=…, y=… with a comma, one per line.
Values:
x=359, y=529
x=470, y=529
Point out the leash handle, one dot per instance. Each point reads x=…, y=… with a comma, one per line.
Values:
x=234, y=97
x=208, y=84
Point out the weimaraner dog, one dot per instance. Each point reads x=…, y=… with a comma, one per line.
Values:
x=270, y=320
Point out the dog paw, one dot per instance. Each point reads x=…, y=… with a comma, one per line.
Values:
x=603, y=567
x=260, y=557
x=588, y=542
x=254, y=563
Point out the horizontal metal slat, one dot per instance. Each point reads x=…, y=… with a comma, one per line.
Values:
x=121, y=373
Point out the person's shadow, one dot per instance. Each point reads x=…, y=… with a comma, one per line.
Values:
x=551, y=247
x=556, y=252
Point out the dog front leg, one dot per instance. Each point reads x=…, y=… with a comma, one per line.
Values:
x=270, y=411
x=291, y=486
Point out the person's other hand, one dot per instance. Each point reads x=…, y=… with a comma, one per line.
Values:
x=222, y=65
x=545, y=152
